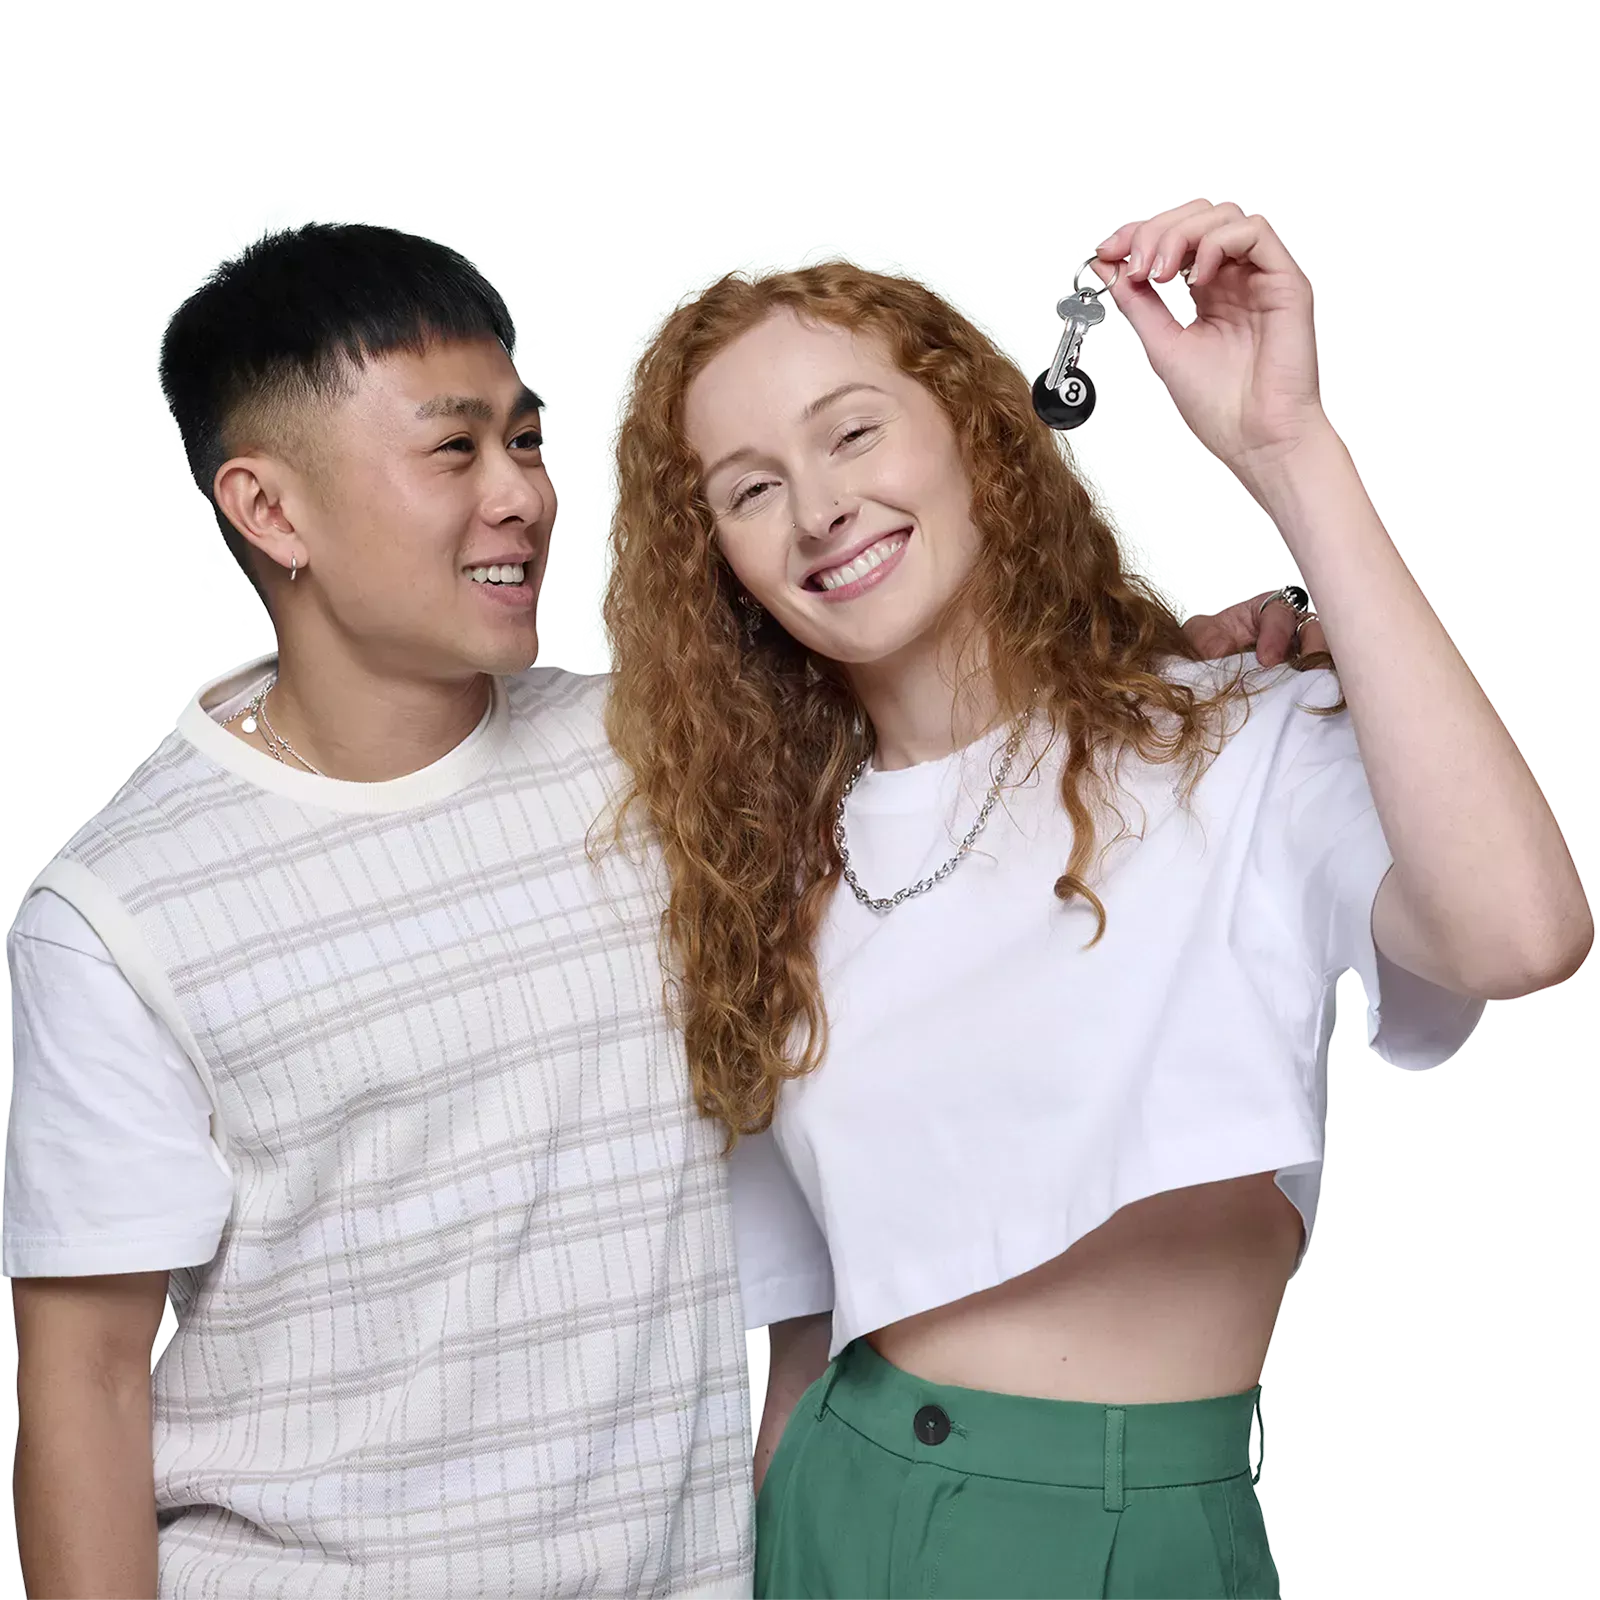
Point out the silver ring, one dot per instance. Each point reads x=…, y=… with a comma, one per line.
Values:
x=1292, y=595
x=1305, y=617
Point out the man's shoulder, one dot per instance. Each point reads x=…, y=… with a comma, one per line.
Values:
x=136, y=809
x=1271, y=694
x=559, y=693
x=1281, y=714
x=1210, y=675
x=561, y=707
x=167, y=774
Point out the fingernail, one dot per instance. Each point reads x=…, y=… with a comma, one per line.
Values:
x=1156, y=267
x=1104, y=242
x=1135, y=261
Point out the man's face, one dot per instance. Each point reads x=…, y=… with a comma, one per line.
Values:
x=426, y=511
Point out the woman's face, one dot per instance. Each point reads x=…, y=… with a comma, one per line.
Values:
x=840, y=497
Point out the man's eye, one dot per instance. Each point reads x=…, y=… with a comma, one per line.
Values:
x=466, y=444
x=530, y=439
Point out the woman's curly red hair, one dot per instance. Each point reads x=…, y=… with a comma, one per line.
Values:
x=738, y=749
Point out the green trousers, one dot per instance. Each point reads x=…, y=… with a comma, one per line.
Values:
x=884, y=1485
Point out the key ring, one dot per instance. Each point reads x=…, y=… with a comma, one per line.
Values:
x=1099, y=288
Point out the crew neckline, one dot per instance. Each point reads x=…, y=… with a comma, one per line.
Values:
x=922, y=784
x=452, y=772
x=994, y=736
x=909, y=788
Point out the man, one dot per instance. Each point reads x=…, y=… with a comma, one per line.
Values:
x=328, y=1026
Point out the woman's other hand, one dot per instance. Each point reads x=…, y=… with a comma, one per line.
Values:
x=1249, y=625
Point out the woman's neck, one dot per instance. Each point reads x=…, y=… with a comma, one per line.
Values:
x=924, y=703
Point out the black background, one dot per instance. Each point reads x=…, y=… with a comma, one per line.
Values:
x=1426, y=1400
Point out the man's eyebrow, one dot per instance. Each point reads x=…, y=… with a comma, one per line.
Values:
x=474, y=408
x=821, y=403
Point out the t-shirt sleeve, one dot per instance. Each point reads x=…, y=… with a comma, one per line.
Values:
x=784, y=1269
x=1326, y=848
x=110, y=1163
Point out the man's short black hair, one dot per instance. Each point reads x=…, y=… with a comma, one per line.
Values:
x=285, y=321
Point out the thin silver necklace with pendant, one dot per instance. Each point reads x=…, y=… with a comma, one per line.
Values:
x=279, y=748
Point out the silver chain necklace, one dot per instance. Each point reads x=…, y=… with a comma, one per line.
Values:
x=278, y=747
x=922, y=885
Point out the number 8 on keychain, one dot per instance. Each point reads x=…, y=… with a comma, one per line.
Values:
x=1063, y=396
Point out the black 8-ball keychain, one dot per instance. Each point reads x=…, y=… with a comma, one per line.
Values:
x=1063, y=396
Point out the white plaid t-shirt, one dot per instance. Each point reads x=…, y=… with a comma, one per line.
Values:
x=471, y=1325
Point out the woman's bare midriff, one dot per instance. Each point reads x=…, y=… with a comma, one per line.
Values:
x=1173, y=1298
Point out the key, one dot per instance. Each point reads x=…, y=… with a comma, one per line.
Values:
x=1063, y=397
x=1080, y=312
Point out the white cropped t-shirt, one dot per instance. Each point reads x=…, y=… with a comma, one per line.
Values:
x=993, y=1090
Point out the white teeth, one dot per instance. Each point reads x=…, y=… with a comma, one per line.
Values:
x=863, y=563
x=497, y=574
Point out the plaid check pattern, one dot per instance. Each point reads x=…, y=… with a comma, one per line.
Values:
x=473, y=1327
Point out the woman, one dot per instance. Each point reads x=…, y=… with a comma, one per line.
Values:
x=1017, y=921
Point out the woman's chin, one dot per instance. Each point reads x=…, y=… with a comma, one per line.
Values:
x=880, y=649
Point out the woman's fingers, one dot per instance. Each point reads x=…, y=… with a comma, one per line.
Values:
x=1144, y=308
x=1134, y=239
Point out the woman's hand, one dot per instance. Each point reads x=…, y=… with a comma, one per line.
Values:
x=1243, y=374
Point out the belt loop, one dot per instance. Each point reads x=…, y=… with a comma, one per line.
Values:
x=1115, y=1419
x=1260, y=1459
x=832, y=1377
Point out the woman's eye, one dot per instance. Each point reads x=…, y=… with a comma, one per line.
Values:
x=748, y=492
x=844, y=439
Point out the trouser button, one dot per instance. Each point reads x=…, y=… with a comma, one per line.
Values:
x=931, y=1425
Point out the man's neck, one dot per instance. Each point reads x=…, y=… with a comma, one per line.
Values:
x=352, y=721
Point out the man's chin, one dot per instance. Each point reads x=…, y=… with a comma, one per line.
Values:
x=507, y=658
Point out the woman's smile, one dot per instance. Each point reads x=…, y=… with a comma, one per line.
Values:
x=849, y=579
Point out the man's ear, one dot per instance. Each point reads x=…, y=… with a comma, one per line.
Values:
x=248, y=492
